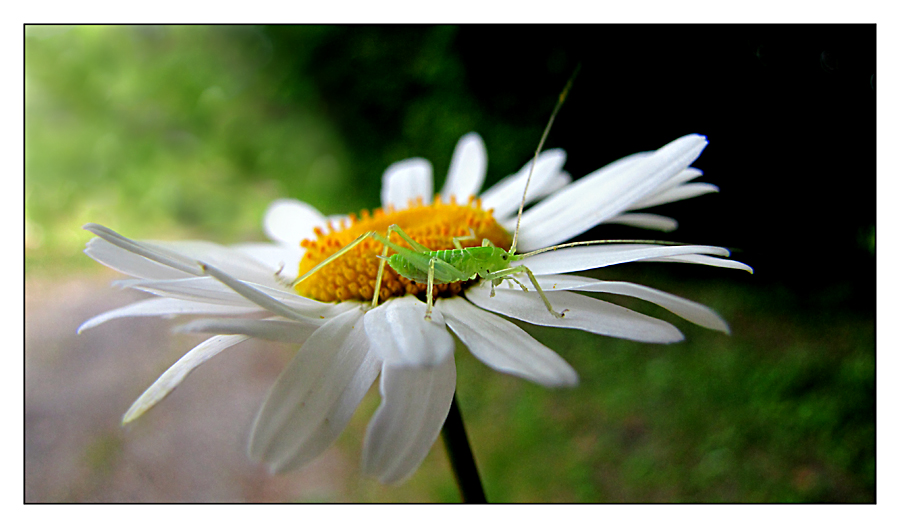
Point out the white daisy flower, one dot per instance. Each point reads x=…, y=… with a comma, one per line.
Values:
x=245, y=291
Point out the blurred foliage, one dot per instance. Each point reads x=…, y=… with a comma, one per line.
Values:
x=782, y=412
x=174, y=132
x=189, y=132
x=164, y=132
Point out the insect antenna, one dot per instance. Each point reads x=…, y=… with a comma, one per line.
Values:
x=601, y=242
x=562, y=97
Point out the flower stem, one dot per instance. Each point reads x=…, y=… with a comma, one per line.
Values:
x=464, y=469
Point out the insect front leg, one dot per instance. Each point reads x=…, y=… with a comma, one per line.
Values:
x=429, y=297
x=421, y=259
x=380, y=275
x=518, y=269
x=440, y=272
x=406, y=253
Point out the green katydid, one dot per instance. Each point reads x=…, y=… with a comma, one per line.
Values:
x=420, y=264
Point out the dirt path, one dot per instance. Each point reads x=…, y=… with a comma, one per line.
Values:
x=190, y=448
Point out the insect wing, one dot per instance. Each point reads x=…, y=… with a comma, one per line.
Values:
x=406, y=268
x=445, y=272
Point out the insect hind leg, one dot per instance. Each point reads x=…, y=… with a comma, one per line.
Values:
x=496, y=282
x=332, y=257
x=507, y=274
x=383, y=259
x=510, y=277
x=394, y=228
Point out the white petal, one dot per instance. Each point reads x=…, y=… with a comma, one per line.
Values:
x=467, y=169
x=684, y=176
x=682, y=192
x=400, y=335
x=197, y=289
x=165, y=308
x=606, y=193
x=272, y=330
x=290, y=221
x=504, y=346
x=589, y=257
x=580, y=193
x=284, y=260
x=558, y=181
x=706, y=260
x=170, y=260
x=229, y=260
x=407, y=180
x=268, y=254
x=177, y=372
x=211, y=290
x=254, y=294
x=161, y=257
x=645, y=220
x=321, y=438
x=414, y=405
x=555, y=183
x=506, y=195
x=313, y=398
x=689, y=310
x=129, y=263
x=583, y=312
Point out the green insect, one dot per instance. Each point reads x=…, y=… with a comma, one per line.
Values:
x=489, y=262
x=423, y=265
x=445, y=266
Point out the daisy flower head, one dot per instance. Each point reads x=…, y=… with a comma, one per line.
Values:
x=345, y=343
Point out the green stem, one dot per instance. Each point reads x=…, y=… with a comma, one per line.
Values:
x=461, y=459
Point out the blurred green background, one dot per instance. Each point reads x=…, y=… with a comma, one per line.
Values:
x=189, y=132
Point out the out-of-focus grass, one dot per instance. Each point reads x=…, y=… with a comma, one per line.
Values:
x=186, y=132
x=164, y=132
x=781, y=411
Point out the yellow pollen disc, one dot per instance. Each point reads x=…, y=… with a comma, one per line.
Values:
x=352, y=275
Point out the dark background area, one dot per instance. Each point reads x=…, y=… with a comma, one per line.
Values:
x=789, y=111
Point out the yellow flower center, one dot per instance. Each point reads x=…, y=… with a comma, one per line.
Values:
x=353, y=274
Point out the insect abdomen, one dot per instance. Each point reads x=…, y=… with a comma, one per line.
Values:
x=406, y=269
x=461, y=260
x=454, y=257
